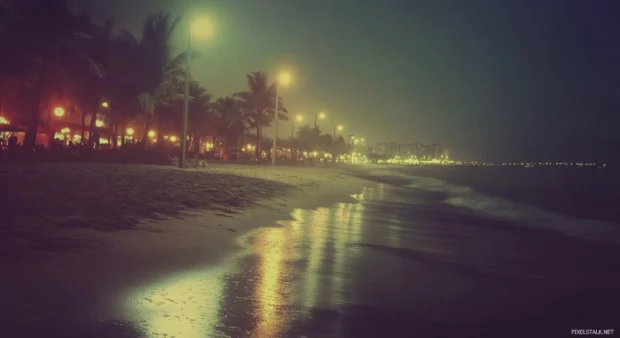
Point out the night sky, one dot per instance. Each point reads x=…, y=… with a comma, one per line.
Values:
x=493, y=80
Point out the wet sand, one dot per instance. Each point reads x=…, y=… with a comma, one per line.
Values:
x=87, y=287
x=389, y=262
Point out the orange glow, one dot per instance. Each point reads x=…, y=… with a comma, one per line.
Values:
x=130, y=131
x=59, y=111
x=3, y=120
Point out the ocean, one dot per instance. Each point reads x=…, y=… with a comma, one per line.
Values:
x=579, y=202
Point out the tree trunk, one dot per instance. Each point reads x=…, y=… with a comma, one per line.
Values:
x=160, y=134
x=33, y=123
x=145, y=135
x=114, y=136
x=83, y=124
x=93, y=127
x=258, y=147
x=123, y=130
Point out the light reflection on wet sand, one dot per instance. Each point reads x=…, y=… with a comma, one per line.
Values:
x=344, y=257
x=185, y=305
x=290, y=275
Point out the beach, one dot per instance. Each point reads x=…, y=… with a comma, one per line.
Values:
x=110, y=227
x=323, y=252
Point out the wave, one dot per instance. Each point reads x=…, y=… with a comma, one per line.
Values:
x=521, y=213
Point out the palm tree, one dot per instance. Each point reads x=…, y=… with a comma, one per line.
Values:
x=156, y=72
x=200, y=119
x=104, y=50
x=37, y=31
x=232, y=123
x=258, y=104
x=306, y=136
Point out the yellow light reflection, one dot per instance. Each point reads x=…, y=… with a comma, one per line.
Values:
x=342, y=222
x=356, y=222
x=271, y=243
x=185, y=305
x=317, y=251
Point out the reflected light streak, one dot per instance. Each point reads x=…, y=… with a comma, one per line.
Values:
x=342, y=222
x=317, y=238
x=356, y=223
x=271, y=243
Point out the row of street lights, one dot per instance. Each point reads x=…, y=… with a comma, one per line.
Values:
x=204, y=26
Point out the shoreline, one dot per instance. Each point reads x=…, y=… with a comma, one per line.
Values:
x=101, y=281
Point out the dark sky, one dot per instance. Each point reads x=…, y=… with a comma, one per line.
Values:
x=494, y=80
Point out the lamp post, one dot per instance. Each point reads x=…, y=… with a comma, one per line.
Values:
x=351, y=136
x=299, y=119
x=200, y=24
x=316, y=117
x=339, y=127
x=284, y=79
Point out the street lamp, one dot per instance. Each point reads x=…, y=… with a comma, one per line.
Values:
x=105, y=104
x=59, y=111
x=299, y=119
x=283, y=79
x=318, y=115
x=151, y=134
x=202, y=26
x=339, y=128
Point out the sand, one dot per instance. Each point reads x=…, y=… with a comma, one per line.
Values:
x=85, y=269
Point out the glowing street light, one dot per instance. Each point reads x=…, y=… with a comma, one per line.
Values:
x=105, y=104
x=340, y=127
x=151, y=134
x=99, y=123
x=283, y=79
x=130, y=131
x=173, y=138
x=59, y=111
x=202, y=26
x=318, y=115
x=3, y=120
x=299, y=119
